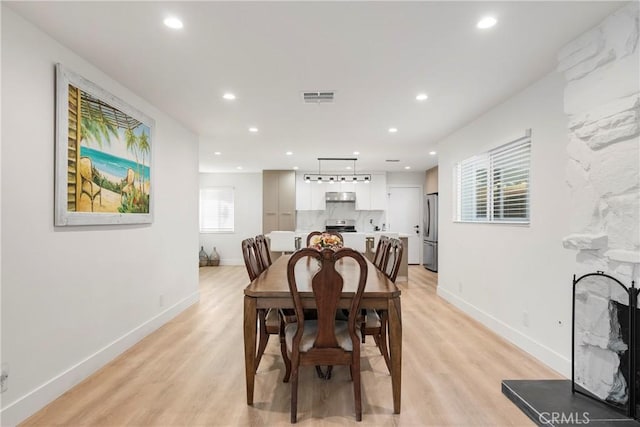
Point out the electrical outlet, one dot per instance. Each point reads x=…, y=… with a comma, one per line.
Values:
x=161, y=300
x=4, y=378
x=460, y=287
x=525, y=318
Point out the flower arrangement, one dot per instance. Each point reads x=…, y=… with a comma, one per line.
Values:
x=325, y=240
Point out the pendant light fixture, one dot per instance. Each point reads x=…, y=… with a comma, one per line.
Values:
x=333, y=178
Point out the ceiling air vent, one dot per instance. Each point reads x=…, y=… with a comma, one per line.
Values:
x=318, y=97
x=392, y=160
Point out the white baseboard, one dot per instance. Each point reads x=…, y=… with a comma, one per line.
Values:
x=232, y=261
x=27, y=405
x=541, y=352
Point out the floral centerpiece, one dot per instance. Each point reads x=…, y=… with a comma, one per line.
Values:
x=325, y=240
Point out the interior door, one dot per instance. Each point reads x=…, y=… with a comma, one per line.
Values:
x=403, y=216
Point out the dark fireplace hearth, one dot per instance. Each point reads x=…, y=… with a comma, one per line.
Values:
x=605, y=362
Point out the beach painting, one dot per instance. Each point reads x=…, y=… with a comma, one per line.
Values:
x=103, y=156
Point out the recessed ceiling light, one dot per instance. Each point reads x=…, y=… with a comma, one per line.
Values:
x=239, y=167
x=217, y=153
x=229, y=96
x=289, y=153
x=487, y=22
x=421, y=96
x=348, y=168
x=393, y=130
x=355, y=153
x=407, y=167
x=173, y=22
x=433, y=153
x=295, y=168
x=253, y=129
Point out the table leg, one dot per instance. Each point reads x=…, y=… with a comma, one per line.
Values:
x=395, y=350
x=250, y=330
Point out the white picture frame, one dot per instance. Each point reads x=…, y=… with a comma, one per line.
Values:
x=104, y=156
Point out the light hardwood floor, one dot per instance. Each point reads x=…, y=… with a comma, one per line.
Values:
x=191, y=372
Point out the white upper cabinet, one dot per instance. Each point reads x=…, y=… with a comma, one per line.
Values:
x=378, y=192
x=303, y=194
x=310, y=196
x=363, y=197
x=318, y=198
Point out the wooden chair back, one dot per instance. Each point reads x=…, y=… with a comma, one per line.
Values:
x=381, y=250
x=251, y=258
x=393, y=257
x=263, y=250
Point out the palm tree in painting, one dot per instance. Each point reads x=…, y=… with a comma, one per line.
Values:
x=131, y=142
x=145, y=148
x=96, y=128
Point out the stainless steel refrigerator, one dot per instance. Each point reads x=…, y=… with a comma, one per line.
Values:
x=430, y=232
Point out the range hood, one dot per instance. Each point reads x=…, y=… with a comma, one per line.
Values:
x=340, y=196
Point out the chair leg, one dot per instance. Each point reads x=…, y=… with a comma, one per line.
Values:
x=382, y=339
x=264, y=337
x=357, y=391
x=294, y=395
x=285, y=356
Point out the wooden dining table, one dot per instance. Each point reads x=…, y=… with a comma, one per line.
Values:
x=271, y=290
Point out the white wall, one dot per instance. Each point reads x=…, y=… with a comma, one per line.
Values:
x=75, y=297
x=248, y=214
x=495, y=272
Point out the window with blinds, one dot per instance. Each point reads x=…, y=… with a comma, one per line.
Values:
x=494, y=186
x=216, y=210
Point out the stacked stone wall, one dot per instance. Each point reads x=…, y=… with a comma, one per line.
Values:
x=602, y=102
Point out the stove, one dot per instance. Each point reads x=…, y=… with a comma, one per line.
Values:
x=341, y=225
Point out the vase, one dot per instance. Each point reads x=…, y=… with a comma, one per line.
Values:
x=214, y=258
x=204, y=259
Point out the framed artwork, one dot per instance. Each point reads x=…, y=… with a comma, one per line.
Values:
x=104, y=156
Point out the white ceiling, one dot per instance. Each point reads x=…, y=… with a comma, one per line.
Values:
x=376, y=55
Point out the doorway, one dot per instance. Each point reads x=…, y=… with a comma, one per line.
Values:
x=404, y=216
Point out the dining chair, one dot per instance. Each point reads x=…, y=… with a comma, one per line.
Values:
x=357, y=241
x=393, y=259
x=325, y=340
x=375, y=321
x=270, y=321
x=263, y=250
x=381, y=248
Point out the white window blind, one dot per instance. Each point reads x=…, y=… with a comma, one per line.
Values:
x=216, y=209
x=494, y=186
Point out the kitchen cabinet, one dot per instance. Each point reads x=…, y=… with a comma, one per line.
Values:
x=318, y=198
x=303, y=194
x=431, y=181
x=278, y=201
x=311, y=196
x=378, y=192
x=372, y=196
x=363, y=197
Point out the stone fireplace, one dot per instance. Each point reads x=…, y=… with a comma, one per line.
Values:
x=602, y=102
